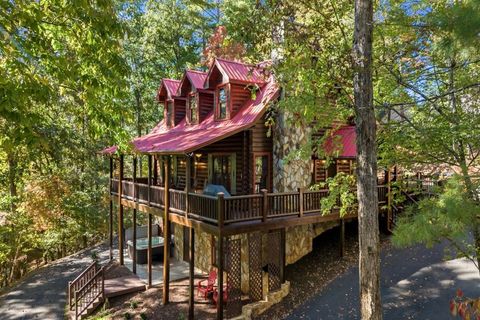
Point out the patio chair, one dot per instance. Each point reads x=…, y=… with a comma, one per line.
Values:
x=208, y=288
x=226, y=290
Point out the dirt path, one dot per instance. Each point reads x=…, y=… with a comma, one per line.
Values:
x=43, y=294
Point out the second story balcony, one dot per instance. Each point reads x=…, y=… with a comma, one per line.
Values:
x=233, y=212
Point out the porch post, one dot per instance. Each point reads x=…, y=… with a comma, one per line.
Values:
x=149, y=251
x=220, y=209
x=166, y=235
x=110, y=228
x=149, y=178
x=191, y=301
x=120, y=213
x=300, y=199
x=282, y=255
x=135, y=195
x=149, y=229
x=187, y=185
x=155, y=171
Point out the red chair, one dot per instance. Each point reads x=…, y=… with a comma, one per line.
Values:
x=226, y=289
x=207, y=289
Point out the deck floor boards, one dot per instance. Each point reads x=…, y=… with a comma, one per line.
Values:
x=123, y=285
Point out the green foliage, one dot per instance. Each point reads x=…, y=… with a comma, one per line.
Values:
x=448, y=216
x=341, y=194
x=133, y=304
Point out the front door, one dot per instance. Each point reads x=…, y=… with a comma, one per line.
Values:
x=261, y=172
x=222, y=171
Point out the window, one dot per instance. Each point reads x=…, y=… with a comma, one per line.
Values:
x=261, y=172
x=170, y=115
x=222, y=103
x=192, y=106
x=320, y=172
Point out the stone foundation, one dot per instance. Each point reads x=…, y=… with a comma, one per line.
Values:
x=252, y=310
x=178, y=241
x=298, y=239
x=203, y=250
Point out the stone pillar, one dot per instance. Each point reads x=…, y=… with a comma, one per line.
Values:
x=292, y=173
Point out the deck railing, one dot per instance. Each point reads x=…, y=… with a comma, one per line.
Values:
x=253, y=207
x=92, y=290
x=80, y=281
x=203, y=207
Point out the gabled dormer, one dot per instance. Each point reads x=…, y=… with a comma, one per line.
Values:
x=173, y=106
x=233, y=84
x=199, y=101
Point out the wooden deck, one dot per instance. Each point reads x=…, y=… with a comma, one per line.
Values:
x=123, y=285
x=232, y=215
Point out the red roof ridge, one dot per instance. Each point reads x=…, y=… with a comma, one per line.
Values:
x=197, y=71
x=238, y=62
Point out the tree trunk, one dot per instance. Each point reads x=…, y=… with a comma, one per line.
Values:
x=138, y=107
x=369, y=260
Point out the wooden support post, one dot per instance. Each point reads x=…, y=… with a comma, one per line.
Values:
x=221, y=217
x=110, y=224
x=300, y=202
x=149, y=250
x=110, y=230
x=149, y=178
x=342, y=238
x=155, y=171
x=221, y=209
x=120, y=213
x=135, y=198
x=220, y=278
x=282, y=254
x=264, y=204
x=166, y=235
x=191, y=296
x=188, y=184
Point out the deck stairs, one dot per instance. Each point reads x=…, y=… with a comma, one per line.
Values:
x=90, y=290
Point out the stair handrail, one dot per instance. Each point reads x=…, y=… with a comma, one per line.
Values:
x=86, y=290
x=81, y=279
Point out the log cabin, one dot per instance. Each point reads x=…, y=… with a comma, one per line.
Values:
x=219, y=181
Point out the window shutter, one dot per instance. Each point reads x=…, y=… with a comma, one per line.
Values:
x=233, y=174
x=210, y=168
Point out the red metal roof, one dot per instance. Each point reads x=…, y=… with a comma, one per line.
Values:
x=197, y=78
x=168, y=86
x=185, y=138
x=237, y=71
x=342, y=143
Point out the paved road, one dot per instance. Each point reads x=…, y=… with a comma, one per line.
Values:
x=416, y=284
x=43, y=294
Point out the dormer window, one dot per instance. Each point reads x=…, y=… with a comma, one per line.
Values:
x=193, y=107
x=170, y=113
x=222, y=102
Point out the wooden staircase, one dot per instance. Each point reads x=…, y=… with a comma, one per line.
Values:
x=86, y=292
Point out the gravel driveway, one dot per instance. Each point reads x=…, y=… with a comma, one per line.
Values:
x=43, y=294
